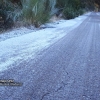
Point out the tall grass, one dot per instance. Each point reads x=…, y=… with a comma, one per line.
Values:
x=28, y=12
x=36, y=11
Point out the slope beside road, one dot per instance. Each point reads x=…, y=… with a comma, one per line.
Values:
x=67, y=70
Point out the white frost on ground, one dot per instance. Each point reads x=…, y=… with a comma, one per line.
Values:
x=98, y=13
x=15, y=33
x=17, y=48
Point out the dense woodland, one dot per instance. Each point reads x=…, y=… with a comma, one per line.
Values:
x=37, y=12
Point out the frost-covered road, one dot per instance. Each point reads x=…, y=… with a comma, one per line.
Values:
x=16, y=46
x=69, y=69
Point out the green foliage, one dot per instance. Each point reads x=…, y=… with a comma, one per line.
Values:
x=69, y=13
x=71, y=8
x=28, y=12
x=36, y=11
x=8, y=12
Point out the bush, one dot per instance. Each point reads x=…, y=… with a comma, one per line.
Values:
x=27, y=12
x=8, y=13
x=71, y=8
x=81, y=11
x=36, y=11
x=69, y=13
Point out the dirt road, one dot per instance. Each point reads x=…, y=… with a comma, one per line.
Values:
x=67, y=70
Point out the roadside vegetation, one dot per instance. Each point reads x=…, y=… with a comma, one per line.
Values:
x=36, y=12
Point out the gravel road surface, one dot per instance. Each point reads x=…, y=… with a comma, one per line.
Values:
x=67, y=70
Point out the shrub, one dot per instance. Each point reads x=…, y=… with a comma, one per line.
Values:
x=71, y=8
x=8, y=12
x=69, y=13
x=36, y=11
x=27, y=12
